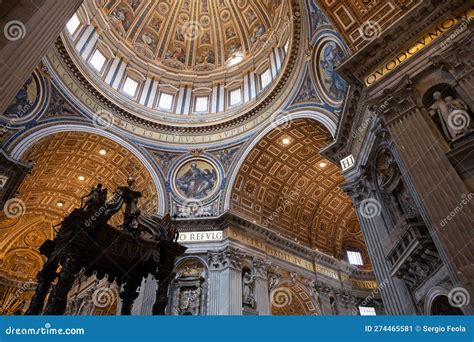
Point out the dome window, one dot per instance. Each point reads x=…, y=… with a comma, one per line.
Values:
x=130, y=87
x=265, y=78
x=73, y=24
x=202, y=104
x=235, y=97
x=97, y=60
x=355, y=258
x=166, y=101
x=367, y=311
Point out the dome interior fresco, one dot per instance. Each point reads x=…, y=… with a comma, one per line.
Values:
x=188, y=57
x=192, y=36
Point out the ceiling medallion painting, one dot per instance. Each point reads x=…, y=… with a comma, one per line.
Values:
x=196, y=180
x=327, y=58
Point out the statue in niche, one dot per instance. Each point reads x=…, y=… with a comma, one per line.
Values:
x=333, y=303
x=189, y=302
x=397, y=196
x=406, y=203
x=385, y=169
x=189, y=289
x=273, y=280
x=313, y=292
x=248, y=289
x=452, y=114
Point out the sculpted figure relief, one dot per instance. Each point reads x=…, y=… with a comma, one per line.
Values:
x=248, y=291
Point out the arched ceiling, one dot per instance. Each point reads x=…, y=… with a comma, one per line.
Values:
x=65, y=167
x=60, y=159
x=291, y=189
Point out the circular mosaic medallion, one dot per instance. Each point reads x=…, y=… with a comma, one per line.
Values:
x=196, y=179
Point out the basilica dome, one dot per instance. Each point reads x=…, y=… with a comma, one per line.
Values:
x=190, y=63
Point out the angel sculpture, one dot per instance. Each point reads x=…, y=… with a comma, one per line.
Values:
x=94, y=200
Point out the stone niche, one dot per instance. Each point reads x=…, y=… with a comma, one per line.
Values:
x=189, y=289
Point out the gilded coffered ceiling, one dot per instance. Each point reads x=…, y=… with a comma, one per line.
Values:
x=65, y=167
x=287, y=186
x=362, y=21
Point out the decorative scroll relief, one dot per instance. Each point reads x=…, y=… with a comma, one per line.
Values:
x=409, y=51
x=364, y=284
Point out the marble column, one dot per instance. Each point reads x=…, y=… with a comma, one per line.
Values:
x=438, y=187
x=218, y=296
x=31, y=27
x=396, y=298
x=225, y=282
x=262, y=295
x=128, y=295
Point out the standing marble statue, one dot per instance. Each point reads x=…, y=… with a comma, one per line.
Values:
x=248, y=290
x=452, y=114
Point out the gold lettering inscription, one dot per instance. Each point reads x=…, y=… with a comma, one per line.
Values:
x=416, y=47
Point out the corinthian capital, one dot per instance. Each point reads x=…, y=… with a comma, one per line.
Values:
x=229, y=257
x=399, y=101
